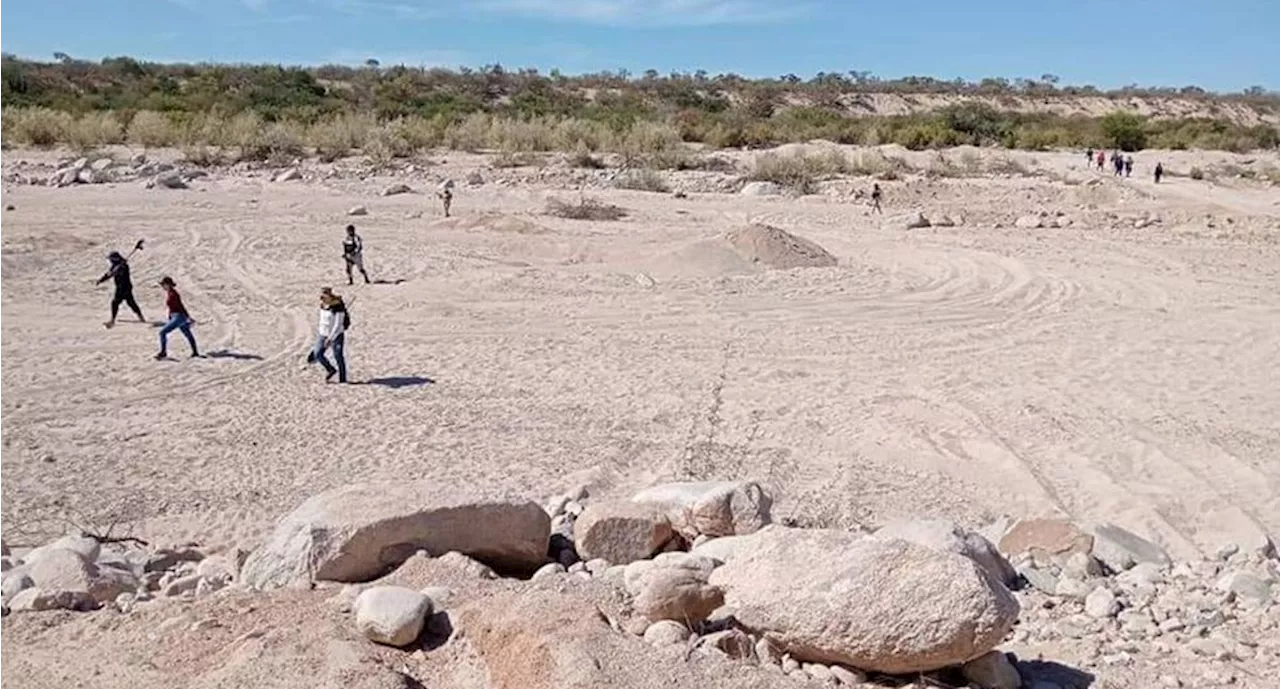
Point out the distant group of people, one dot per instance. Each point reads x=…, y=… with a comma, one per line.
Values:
x=334, y=317
x=1121, y=164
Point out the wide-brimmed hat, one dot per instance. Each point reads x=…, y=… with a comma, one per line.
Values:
x=167, y=281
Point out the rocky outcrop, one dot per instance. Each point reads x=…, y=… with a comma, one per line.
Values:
x=882, y=605
x=359, y=532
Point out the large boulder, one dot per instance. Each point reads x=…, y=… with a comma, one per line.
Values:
x=391, y=615
x=890, y=606
x=713, y=508
x=359, y=532
x=621, y=532
x=946, y=536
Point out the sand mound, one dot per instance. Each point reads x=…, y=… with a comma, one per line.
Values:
x=494, y=222
x=777, y=248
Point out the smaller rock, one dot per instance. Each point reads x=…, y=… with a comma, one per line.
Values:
x=843, y=675
x=597, y=566
x=391, y=615
x=475, y=179
x=14, y=584
x=761, y=189
x=819, y=673
x=39, y=599
x=1119, y=549
x=672, y=593
x=289, y=175
x=1248, y=587
x=992, y=671
x=101, y=164
x=1073, y=588
x=666, y=633
x=358, y=210
x=168, y=558
x=168, y=180
x=767, y=653
x=1039, y=579
x=789, y=664
x=397, y=189
x=549, y=571
x=1081, y=566
x=181, y=585
x=1029, y=222
x=1101, y=604
x=621, y=532
x=732, y=642
x=1226, y=551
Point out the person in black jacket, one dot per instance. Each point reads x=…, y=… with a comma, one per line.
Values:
x=119, y=271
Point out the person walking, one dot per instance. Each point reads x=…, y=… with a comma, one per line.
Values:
x=119, y=272
x=1159, y=171
x=1128, y=166
x=179, y=319
x=1117, y=161
x=876, y=195
x=353, y=254
x=331, y=333
x=1088, y=158
x=446, y=195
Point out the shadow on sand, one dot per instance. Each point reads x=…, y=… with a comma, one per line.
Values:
x=400, y=381
x=228, y=354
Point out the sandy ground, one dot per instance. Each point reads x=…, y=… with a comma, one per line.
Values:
x=1098, y=370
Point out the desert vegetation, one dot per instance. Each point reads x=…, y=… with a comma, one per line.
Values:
x=263, y=111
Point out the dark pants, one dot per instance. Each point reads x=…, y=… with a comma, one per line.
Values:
x=339, y=346
x=124, y=297
x=181, y=323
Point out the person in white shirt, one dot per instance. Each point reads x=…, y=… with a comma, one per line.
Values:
x=331, y=333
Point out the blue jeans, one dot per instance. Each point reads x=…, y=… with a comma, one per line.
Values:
x=181, y=323
x=338, y=345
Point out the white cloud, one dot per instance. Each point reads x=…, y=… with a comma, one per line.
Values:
x=647, y=12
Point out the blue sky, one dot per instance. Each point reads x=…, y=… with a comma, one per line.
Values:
x=1220, y=45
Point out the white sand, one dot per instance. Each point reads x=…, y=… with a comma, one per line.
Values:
x=1099, y=371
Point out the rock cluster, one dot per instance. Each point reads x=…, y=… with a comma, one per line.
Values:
x=76, y=572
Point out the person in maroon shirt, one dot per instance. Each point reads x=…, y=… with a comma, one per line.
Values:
x=179, y=319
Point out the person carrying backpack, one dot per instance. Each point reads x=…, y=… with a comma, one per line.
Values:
x=331, y=333
x=353, y=254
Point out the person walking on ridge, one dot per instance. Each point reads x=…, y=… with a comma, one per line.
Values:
x=1159, y=171
x=876, y=195
x=353, y=254
x=119, y=271
x=179, y=319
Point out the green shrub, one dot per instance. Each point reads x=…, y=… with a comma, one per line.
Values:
x=152, y=130
x=1124, y=130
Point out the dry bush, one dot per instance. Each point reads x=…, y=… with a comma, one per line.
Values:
x=523, y=135
x=419, y=133
x=645, y=139
x=1196, y=173
x=1008, y=166
x=471, y=134
x=95, y=129
x=799, y=171
x=203, y=156
x=511, y=159
x=151, y=129
x=582, y=158
x=337, y=137
x=36, y=126
x=386, y=144
x=643, y=179
x=281, y=143
x=575, y=134
x=585, y=209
